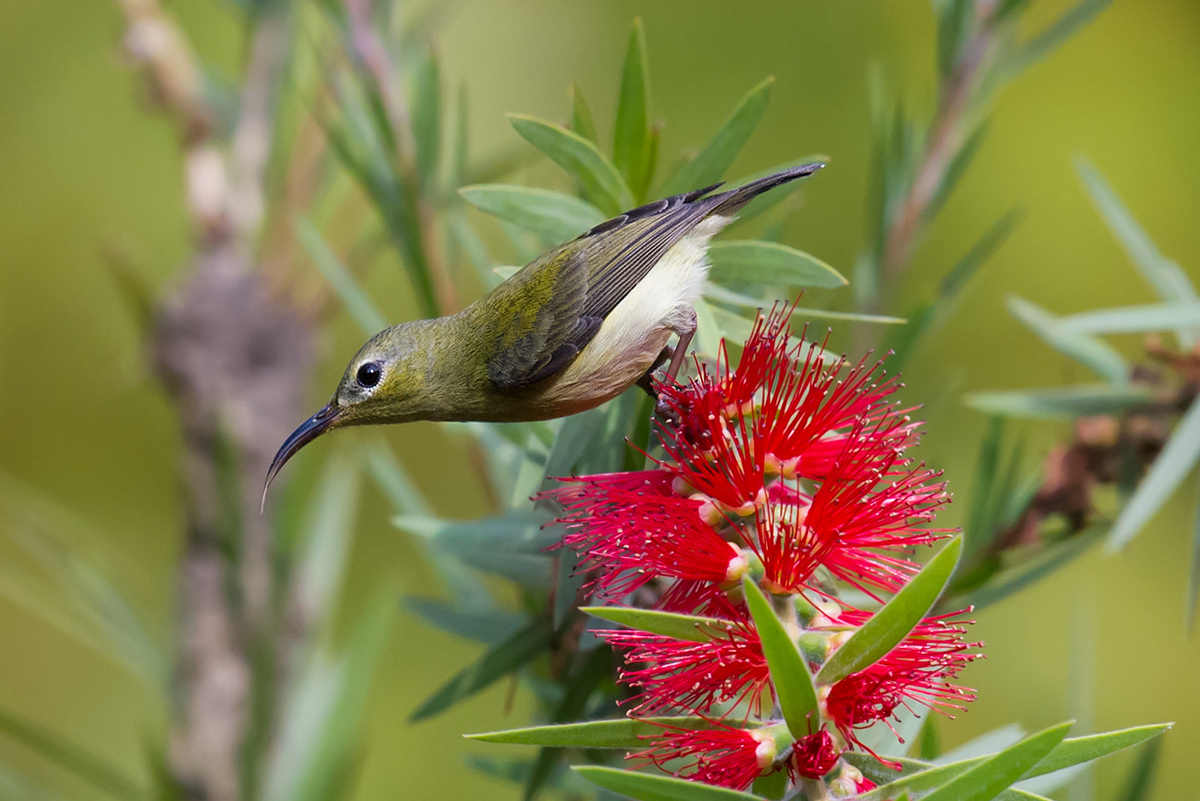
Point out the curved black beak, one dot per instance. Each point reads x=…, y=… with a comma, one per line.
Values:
x=305, y=433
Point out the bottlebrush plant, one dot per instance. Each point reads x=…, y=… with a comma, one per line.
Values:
x=773, y=621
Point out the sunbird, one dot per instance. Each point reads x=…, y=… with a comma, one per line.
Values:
x=572, y=329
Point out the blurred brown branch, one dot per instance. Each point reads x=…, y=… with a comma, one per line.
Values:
x=236, y=357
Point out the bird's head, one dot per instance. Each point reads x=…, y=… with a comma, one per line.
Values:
x=384, y=383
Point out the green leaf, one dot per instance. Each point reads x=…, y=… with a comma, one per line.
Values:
x=1173, y=464
x=1137, y=785
x=1078, y=750
x=394, y=480
x=986, y=779
x=919, y=778
x=928, y=318
x=774, y=785
x=1093, y=353
x=581, y=115
x=520, y=530
x=884, y=630
x=593, y=669
x=489, y=626
x=321, y=731
x=929, y=746
x=793, y=684
x=619, y=733
x=711, y=163
x=728, y=296
x=1133, y=319
x=601, y=182
x=555, y=216
x=69, y=756
x=77, y=590
x=326, y=541
x=986, y=496
x=770, y=263
x=1056, y=34
x=651, y=787
x=427, y=115
x=362, y=309
x=668, y=624
x=1193, y=595
x=514, y=653
x=1167, y=279
x=1061, y=403
x=631, y=137
x=1031, y=570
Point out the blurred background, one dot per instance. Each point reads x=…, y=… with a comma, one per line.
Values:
x=92, y=177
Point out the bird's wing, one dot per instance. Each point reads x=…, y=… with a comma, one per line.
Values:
x=555, y=305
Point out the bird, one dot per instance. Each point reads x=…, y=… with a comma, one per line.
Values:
x=572, y=329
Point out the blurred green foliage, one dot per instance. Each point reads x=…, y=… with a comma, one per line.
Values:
x=91, y=178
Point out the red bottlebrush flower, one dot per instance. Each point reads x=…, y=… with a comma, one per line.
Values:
x=714, y=454
x=860, y=512
x=724, y=756
x=782, y=411
x=674, y=675
x=814, y=755
x=634, y=537
x=918, y=670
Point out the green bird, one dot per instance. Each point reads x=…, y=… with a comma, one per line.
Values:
x=572, y=329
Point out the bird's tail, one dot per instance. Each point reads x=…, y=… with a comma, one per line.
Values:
x=729, y=203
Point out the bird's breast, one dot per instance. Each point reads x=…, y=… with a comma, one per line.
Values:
x=634, y=333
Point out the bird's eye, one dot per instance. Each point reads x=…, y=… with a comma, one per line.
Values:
x=369, y=374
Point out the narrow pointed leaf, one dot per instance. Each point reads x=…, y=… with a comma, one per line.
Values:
x=631, y=132
x=711, y=163
x=1078, y=750
x=1134, y=319
x=1194, y=579
x=1173, y=464
x=651, y=787
x=770, y=263
x=1093, y=353
x=919, y=778
x=774, y=785
x=519, y=650
x=986, y=779
x=929, y=317
x=1167, y=279
x=601, y=182
x=668, y=624
x=578, y=687
x=489, y=626
x=793, y=684
x=619, y=733
x=1007, y=582
x=1141, y=778
x=802, y=313
x=361, y=308
x=427, y=115
x=1061, y=403
x=582, y=121
x=1056, y=34
x=555, y=216
x=321, y=731
x=62, y=752
x=891, y=624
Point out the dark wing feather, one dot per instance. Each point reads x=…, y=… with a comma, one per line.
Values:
x=591, y=275
x=571, y=289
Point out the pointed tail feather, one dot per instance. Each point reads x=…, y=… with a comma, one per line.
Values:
x=732, y=201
